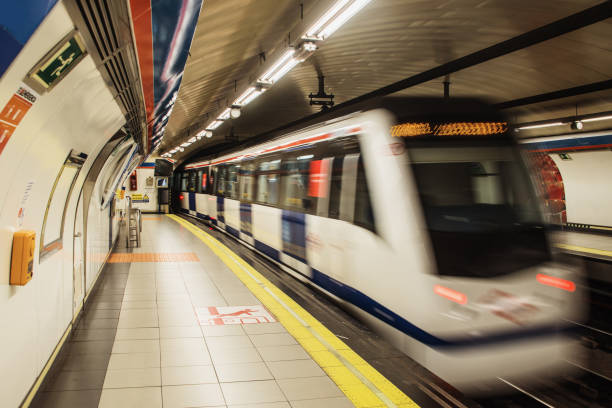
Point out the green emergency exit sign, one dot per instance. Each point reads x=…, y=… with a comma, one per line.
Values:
x=59, y=61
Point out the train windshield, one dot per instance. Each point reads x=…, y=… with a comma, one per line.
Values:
x=480, y=209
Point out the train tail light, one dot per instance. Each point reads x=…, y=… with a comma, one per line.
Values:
x=181, y=197
x=450, y=294
x=556, y=282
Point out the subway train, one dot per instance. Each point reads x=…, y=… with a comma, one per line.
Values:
x=417, y=214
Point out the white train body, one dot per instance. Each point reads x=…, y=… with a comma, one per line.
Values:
x=465, y=329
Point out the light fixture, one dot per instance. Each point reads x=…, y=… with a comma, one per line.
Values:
x=305, y=157
x=214, y=124
x=209, y=134
x=224, y=115
x=181, y=149
x=577, y=125
x=283, y=61
x=247, y=96
x=333, y=18
x=185, y=144
x=235, y=112
x=595, y=119
x=199, y=136
x=542, y=125
x=192, y=139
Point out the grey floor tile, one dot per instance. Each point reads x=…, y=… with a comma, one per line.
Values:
x=278, y=353
x=309, y=388
x=223, y=330
x=133, y=378
x=101, y=314
x=184, y=358
x=252, y=392
x=295, y=369
x=264, y=328
x=78, y=362
x=184, y=375
x=93, y=334
x=234, y=356
x=90, y=347
x=149, y=397
x=63, y=399
x=243, y=372
x=228, y=342
x=176, y=332
x=134, y=360
x=200, y=395
x=98, y=323
x=272, y=339
x=264, y=405
x=138, y=333
x=136, y=346
x=77, y=380
x=337, y=402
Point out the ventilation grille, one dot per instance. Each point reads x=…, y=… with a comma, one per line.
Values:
x=107, y=23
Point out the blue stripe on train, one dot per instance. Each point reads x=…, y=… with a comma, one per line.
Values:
x=232, y=231
x=192, y=201
x=294, y=234
x=220, y=208
x=374, y=308
x=246, y=219
x=268, y=250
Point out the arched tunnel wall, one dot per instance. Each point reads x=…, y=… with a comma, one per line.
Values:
x=78, y=114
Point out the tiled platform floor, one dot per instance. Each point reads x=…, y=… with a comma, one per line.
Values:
x=141, y=345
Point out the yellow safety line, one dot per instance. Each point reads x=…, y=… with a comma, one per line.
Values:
x=43, y=374
x=585, y=249
x=360, y=382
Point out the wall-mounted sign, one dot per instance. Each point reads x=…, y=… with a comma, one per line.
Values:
x=57, y=62
x=13, y=112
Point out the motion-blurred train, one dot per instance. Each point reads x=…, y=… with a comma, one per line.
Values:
x=418, y=214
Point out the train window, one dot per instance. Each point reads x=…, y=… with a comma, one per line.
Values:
x=295, y=184
x=192, y=181
x=364, y=216
x=212, y=177
x=268, y=176
x=184, y=181
x=335, y=187
x=482, y=216
x=247, y=181
x=231, y=182
x=221, y=178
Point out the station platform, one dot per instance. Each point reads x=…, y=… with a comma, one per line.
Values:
x=183, y=321
x=586, y=244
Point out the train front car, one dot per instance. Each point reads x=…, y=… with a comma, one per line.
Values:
x=495, y=302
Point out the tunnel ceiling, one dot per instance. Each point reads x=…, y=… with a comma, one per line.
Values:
x=385, y=42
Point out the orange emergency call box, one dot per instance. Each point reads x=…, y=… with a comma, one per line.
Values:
x=22, y=259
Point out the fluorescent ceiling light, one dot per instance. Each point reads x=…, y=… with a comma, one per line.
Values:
x=267, y=76
x=342, y=18
x=543, y=125
x=201, y=133
x=305, y=157
x=248, y=95
x=333, y=18
x=191, y=140
x=224, y=115
x=316, y=27
x=284, y=69
x=597, y=118
x=185, y=144
x=214, y=124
